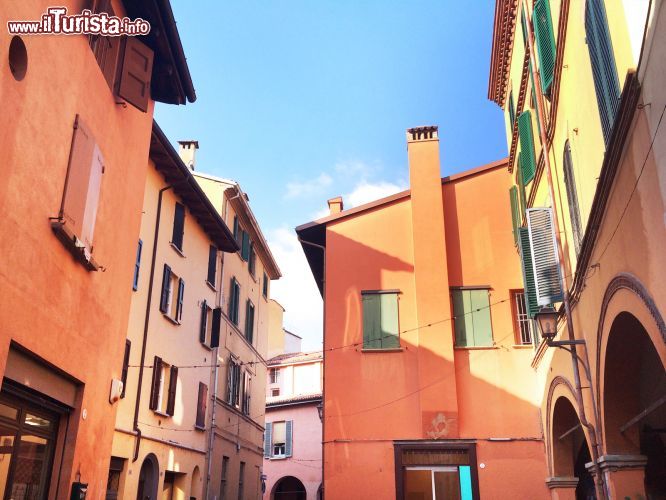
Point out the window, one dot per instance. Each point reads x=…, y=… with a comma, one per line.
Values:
x=75, y=225
x=202, y=402
x=246, y=393
x=234, y=301
x=265, y=286
x=545, y=42
x=521, y=319
x=178, y=226
x=113, y=481
x=173, y=290
x=241, y=481
x=275, y=392
x=527, y=155
x=249, y=320
x=471, y=311
x=137, y=266
x=528, y=271
x=223, y=481
x=380, y=320
x=206, y=326
x=233, y=383
x=252, y=263
x=604, y=72
x=212, y=265
x=572, y=198
x=274, y=373
x=163, y=391
x=516, y=218
x=245, y=246
x=278, y=438
x=126, y=63
x=237, y=235
x=126, y=359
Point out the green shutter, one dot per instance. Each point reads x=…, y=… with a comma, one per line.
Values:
x=515, y=212
x=528, y=160
x=535, y=103
x=389, y=320
x=512, y=110
x=268, y=440
x=463, y=326
x=289, y=433
x=521, y=192
x=523, y=24
x=545, y=41
x=371, y=322
x=528, y=272
x=480, y=304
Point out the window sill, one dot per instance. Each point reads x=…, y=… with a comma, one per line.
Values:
x=392, y=349
x=211, y=286
x=199, y=428
x=206, y=346
x=179, y=251
x=170, y=319
x=161, y=413
x=74, y=245
x=279, y=457
x=523, y=346
x=476, y=348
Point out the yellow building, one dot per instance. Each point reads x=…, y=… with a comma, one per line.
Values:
x=578, y=80
x=235, y=467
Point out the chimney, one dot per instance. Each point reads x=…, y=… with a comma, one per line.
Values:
x=335, y=205
x=431, y=280
x=187, y=152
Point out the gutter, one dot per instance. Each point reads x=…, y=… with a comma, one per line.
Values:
x=137, y=441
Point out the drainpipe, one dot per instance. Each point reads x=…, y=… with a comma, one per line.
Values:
x=323, y=356
x=137, y=440
x=591, y=428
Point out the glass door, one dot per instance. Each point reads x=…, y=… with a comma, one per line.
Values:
x=438, y=483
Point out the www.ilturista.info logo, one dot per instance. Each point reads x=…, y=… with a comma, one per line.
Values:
x=56, y=22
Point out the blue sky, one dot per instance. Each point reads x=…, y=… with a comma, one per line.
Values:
x=302, y=100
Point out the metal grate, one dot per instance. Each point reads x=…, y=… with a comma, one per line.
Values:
x=523, y=319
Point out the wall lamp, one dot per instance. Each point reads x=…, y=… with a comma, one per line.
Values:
x=546, y=320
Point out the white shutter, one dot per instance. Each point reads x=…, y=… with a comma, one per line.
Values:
x=545, y=260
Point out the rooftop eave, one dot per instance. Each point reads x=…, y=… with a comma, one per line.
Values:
x=500, y=58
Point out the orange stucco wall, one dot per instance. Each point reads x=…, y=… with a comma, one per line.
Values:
x=74, y=319
x=374, y=398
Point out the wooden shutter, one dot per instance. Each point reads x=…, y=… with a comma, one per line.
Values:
x=604, y=71
x=462, y=321
x=249, y=321
x=545, y=260
x=481, y=323
x=236, y=235
x=230, y=376
x=166, y=283
x=528, y=272
x=289, y=424
x=371, y=321
x=245, y=248
x=253, y=258
x=201, y=405
x=572, y=198
x=265, y=287
x=388, y=311
x=233, y=302
x=126, y=360
x=135, y=73
x=204, y=322
x=523, y=24
x=545, y=41
x=215, y=329
x=181, y=293
x=528, y=157
x=82, y=185
x=173, y=383
x=515, y=212
x=178, y=226
x=521, y=192
x=236, y=385
x=534, y=95
x=137, y=266
x=212, y=264
x=512, y=110
x=155, y=386
x=268, y=440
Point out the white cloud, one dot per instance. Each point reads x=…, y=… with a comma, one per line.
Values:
x=365, y=192
x=296, y=189
x=296, y=290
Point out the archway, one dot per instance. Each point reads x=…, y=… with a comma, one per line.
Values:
x=148, y=478
x=634, y=400
x=570, y=449
x=288, y=488
x=195, y=489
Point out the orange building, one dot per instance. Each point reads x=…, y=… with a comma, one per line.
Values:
x=428, y=389
x=77, y=119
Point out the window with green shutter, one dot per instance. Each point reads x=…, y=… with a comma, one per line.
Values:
x=523, y=25
x=528, y=272
x=471, y=311
x=512, y=110
x=521, y=191
x=527, y=154
x=380, y=320
x=516, y=219
x=604, y=71
x=545, y=42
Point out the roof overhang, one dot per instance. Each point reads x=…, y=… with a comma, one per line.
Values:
x=171, y=81
x=178, y=175
x=500, y=58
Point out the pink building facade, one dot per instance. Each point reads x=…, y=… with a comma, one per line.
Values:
x=292, y=441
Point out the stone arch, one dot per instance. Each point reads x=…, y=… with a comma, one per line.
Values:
x=195, y=487
x=149, y=475
x=288, y=488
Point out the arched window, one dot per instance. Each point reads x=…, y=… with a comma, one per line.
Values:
x=572, y=197
x=606, y=82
